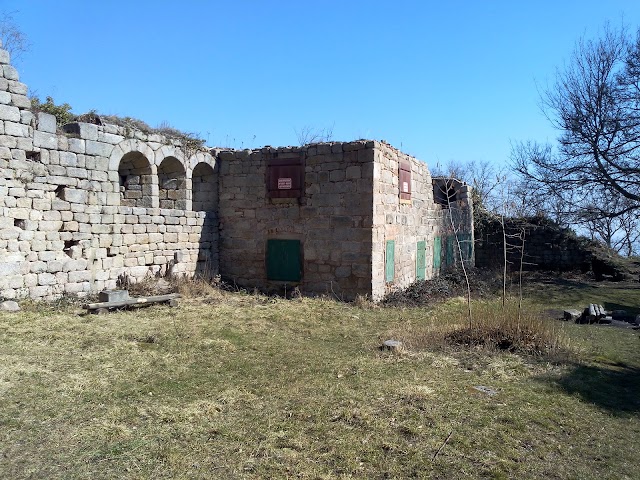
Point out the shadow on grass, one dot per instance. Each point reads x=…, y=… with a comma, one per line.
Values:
x=615, y=388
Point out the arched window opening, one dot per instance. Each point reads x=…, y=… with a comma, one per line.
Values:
x=205, y=188
x=172, y=184
x=134, y=173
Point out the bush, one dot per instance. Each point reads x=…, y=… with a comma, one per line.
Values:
x=61, y=112
x=493, y=328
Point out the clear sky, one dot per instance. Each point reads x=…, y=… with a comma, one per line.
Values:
x=447, y=80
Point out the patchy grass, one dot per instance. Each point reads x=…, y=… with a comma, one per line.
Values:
x=234, y=385
x=566, y=292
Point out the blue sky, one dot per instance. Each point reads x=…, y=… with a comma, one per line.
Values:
x=443, y=81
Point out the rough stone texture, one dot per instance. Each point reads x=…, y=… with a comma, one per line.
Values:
x=83, y=208
x=332, y=219
x=547, y=246
x=65, y=225
x=349, y=208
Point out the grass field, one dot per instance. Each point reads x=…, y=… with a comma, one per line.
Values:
x=231, y=385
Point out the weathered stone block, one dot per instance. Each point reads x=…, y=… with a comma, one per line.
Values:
x=45, y=122
x=98, y=148
x=86, y=131
x=21, y=101
x=10, y=73
x=44, y=140
x=73, y=195
x=15, y=86
x=46, y=278
x=10, y=113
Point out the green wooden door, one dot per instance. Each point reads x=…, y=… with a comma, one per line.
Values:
x=421, y=261
x=284, y=260
x=390, y=260
x=437, y=253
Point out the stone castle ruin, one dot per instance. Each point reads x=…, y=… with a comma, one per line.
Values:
x=85, y=206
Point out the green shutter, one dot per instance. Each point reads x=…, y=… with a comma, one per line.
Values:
x=450, y=253
x=466, y=245
x=284, y=260
x=437, y=253
x=390, y=259
x=421, y=261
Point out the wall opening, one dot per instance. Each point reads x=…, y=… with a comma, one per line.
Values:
x=33, y=156
x=172, y=184
x=135, y=177
x=445, y=191
x=204, y=188
x=71, y=248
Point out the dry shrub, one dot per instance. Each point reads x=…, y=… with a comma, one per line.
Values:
x=198, y=287
x=148, y=286
x=495, y=327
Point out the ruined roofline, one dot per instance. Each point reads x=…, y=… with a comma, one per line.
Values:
x=457, y=182
x=322, y=147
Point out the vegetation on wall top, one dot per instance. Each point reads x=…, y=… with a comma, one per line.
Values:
x=64, y=115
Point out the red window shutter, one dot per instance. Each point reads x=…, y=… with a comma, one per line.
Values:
x=285, y=178
x=404, y=178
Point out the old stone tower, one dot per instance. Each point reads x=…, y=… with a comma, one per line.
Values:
x=87, y=204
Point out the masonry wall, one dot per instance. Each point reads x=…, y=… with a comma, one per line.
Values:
x=455, y=223
x=403, y=221
x=80, y=208
x=332, y=219
x=547, y=246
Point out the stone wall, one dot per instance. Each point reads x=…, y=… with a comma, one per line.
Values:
x=332, y=218
x=546, y=245
x=405, y=222
x=88, y=204
x=81, y=207
x=349, y=209
x=413, y=224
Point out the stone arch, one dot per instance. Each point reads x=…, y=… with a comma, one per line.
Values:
x=130, y=145
x=172, y=184
x=204, y=182
x=133, y=157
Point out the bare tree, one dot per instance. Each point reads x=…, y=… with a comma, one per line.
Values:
x=13, y=39
x=307, y=135
x=595, y=103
